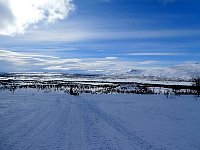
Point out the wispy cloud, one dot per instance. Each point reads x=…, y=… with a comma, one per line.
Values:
x=30, y=61
x=77, y=35
x=17, y=16
x=26, y=61
x=20, y=59
x=155, y=54
x=111, y=58
x=150, y=62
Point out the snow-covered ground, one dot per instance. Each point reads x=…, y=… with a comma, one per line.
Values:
x=32, y=120
x=129, y=77
x=182, y=71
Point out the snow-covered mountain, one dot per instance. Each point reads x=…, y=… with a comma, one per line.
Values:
x=183, y=71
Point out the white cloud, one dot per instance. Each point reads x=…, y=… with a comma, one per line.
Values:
x=155, y=54
x=111, y=58
x=21, y=59
x=149, y=62
x=74, y=34
x=31, y=61
x=19, y=15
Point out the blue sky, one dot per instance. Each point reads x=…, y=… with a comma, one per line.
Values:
x=100, y=36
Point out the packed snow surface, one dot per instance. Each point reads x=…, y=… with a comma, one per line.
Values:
x=39, y=120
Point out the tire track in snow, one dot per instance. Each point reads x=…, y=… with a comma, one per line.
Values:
x=75, y=131
x=57, y=126
x=62, y=122
x=93, y=137
x=19, y=132
x=93, y=115
x=49, y=133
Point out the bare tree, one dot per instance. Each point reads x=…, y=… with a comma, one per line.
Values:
x=196, y=83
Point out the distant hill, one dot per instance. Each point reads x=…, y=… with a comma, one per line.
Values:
x=183, y=71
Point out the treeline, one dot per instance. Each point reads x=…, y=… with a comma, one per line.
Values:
x=78, y=87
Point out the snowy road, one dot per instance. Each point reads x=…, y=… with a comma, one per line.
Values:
x=31, y=120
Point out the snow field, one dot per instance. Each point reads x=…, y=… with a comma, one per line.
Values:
x=38, y=120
